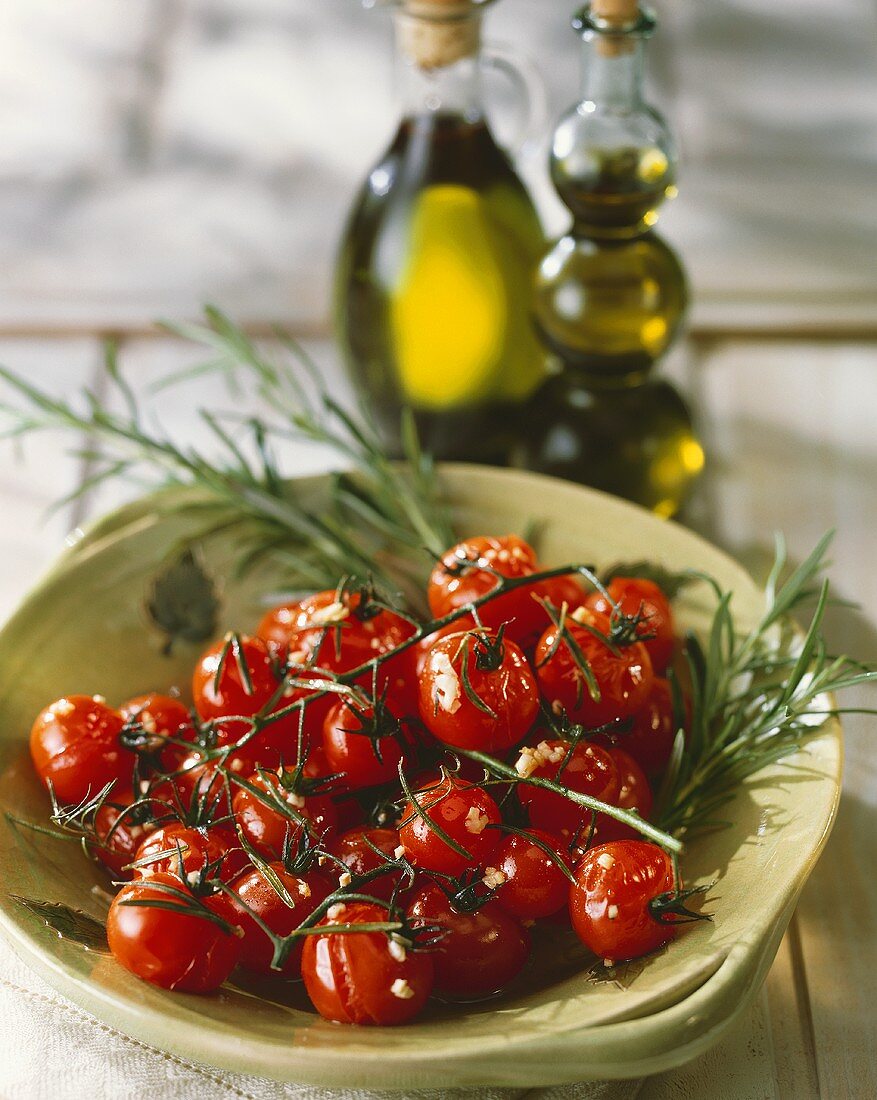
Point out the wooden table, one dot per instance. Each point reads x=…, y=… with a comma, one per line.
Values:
x=790, y=429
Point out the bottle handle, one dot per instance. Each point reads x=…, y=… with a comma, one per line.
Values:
x=522, y=72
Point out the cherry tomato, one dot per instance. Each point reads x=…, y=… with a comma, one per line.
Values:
x=609, y=905
x=195, y=847
x=355, y=852
x=162, y=717
x=333, y=630
x=352, y=740
x=74, y=744
x=634, y=793
x=364, y=977
x=454, y=584
x=504, y=700
x=479, y=953
x=267, y=828
x=638, y=596
x=534, y=885
x=232, y=692
x=623, y=678
x=650, y=741
x=463, y=812
x=175, y=950
x=587, y=769
x=119, y=831
x=257, y=895
x=561, y=590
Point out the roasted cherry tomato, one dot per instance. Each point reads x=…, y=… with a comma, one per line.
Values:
x=478, y=953
x=363, y=743
x=246, y=682
x=267, y=828
x=460, y=810
x=609, y=905
x=454, y=583
x=622, y=674
x=254, y=894
x=650, y=740
x=195, y=848
x=333, y=630
x=161, y=717
x=75, y=745
x=634, y=793
x=356, y=851
x=494, y=709
x=585, y=768
x=180, y=950
x=534, y=885
x=364, y=977
x=638, y=597
x=119, y=831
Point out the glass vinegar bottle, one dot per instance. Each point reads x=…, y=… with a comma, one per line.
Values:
x=436, y=266
x=611, y=294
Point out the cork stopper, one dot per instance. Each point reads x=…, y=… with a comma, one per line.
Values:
x=436, y=33
x=614, y=13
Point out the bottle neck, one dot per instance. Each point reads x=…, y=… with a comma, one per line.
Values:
x=438, y=69
x=612, y=72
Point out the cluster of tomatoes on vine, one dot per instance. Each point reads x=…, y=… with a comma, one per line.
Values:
x=386, y=809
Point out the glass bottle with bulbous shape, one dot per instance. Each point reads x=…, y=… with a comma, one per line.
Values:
x=610, y=295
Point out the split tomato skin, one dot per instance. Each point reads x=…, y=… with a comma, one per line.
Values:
x=462, y=811
x=624, y=678
x=609, y=905
x=639, y=596
x=585, y=769
x=499, y=676
x=267, y=828
x=454, y=584
x=74, y=745
x=535, y=886
x=255, y=894
x=181, y=951
x=363, y=977
x=479, y=953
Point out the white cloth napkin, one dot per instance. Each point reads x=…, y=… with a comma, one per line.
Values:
x=52, y=1050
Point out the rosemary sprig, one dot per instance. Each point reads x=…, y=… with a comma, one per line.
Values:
x=756, y=697
x=375, y=518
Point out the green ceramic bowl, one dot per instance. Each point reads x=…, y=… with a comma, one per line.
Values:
x=84, y=629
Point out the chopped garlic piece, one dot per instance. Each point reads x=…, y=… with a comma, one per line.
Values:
x=606, y=861
x=612, y=912
x=99, y=698
x=294, y=800
x=401, y=989
x=62, y=708
x=304, y=889
x=550, y=754
x=493, y=877
x=609, y=963
x=447, y=683
x=334, y=613
x=397, y=950
x=345, y=879
x=476, y=822
x=399, y=852
x=582, y=615
x=336, y=910
x=526, y=763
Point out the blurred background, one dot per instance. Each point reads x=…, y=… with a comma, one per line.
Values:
x=158, y=153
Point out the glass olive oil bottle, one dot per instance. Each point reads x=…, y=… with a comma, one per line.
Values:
x=435, y=274
x=611, y=294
